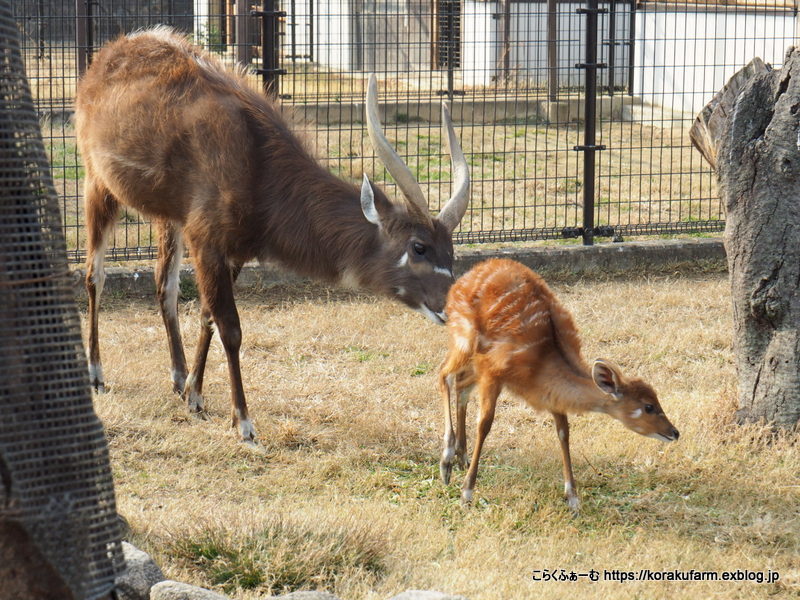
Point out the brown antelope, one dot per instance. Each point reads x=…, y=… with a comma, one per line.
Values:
x=165, y=128
x=507, y=329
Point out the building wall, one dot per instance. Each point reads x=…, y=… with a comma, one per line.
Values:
x=683, y=59
x=482, y=39
x=367, y=35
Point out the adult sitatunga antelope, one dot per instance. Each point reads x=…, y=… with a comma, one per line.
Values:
x=507, y=329
x=165, y=128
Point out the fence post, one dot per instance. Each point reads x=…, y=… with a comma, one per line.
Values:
x=451, y=48
x=83, y=34
x=552, y=50
x=589, y=146
x=612, y=44
x=242, y=41
x=631, y=46
x=270, y=45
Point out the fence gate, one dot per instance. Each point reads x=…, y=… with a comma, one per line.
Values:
x=574, y=116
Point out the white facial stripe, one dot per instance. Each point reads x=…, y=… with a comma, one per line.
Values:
x=636, y=414
x=443, y=271
x=403, y=260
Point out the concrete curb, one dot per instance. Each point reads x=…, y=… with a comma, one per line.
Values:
x=607, y=258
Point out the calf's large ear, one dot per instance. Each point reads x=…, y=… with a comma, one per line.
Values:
x=607, y=377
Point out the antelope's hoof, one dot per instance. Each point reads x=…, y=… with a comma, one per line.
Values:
x=466, y=498
x=96, y=377
x=574, y=505
x=445, y=469
x=194, y=401
x=248, y=432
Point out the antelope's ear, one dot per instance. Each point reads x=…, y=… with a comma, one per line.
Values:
x=368, y=203
x=607, y=377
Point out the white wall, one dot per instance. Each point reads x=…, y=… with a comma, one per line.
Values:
x=482, y=35
x=683, y=59
x=333, y=33
x=366, y=35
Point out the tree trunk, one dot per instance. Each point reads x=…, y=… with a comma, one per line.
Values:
x=750, y=133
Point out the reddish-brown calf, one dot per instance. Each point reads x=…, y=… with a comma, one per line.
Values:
x=507, y=329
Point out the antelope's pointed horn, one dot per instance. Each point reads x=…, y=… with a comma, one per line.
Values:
x=452, y=213
x=391, y=160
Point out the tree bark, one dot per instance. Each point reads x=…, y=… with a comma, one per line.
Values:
x=750, y=133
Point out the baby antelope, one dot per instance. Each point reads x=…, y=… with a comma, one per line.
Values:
x=507, y=329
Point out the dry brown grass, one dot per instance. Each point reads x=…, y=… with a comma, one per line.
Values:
x=342, y=389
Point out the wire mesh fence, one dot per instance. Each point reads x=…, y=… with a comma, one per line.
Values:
x=60, y=534
x=514, y=71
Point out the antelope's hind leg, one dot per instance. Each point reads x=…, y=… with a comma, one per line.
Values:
x=101, y=213
x=168, y=270
x=488, y=391
x=465, y=383
x=193, y=390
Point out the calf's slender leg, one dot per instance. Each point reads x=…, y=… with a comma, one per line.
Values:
x=562, y=427
x=488, y=391
x=465, y=383
x=446, y=381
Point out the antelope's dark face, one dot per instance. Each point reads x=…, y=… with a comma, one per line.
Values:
x=424, y=271
x=417, y=247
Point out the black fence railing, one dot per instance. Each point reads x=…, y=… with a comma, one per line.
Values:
x=563, y=140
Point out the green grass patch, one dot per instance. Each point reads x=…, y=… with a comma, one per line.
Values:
x=362, y=354
x=281, y=555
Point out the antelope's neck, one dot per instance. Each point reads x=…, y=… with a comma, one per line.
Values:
x=572, y=391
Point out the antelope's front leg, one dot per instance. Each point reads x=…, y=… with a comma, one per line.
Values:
x=562, y=427
x=448, y=450
x=168, y=270
x=215, y=284
x=193, y=389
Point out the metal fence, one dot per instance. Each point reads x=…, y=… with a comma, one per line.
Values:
x=574, y=117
